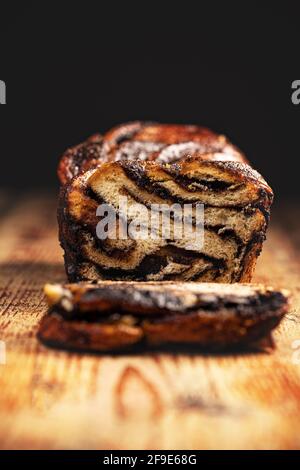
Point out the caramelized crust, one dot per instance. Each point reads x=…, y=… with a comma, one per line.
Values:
x=80, y=158
x=145, y=141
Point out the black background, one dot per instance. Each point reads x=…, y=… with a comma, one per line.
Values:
x=72, y=70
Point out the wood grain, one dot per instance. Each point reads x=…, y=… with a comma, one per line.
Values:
x=54, y=399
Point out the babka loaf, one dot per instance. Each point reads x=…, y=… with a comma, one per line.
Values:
x=114, y=315
x=154, y=166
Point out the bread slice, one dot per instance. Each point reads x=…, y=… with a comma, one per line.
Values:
x=116, y=315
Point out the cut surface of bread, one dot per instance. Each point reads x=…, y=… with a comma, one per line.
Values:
x=115, y=315
x=154, y=165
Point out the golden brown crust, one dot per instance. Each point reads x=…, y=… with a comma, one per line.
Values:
x=80, y=158
x=55, y=331
x=142, y=140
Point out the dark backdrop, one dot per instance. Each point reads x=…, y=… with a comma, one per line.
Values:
x=74, y=70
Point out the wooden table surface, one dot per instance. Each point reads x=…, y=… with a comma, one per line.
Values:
x=52, y=399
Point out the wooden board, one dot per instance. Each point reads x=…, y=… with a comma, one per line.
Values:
x=52, y=399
